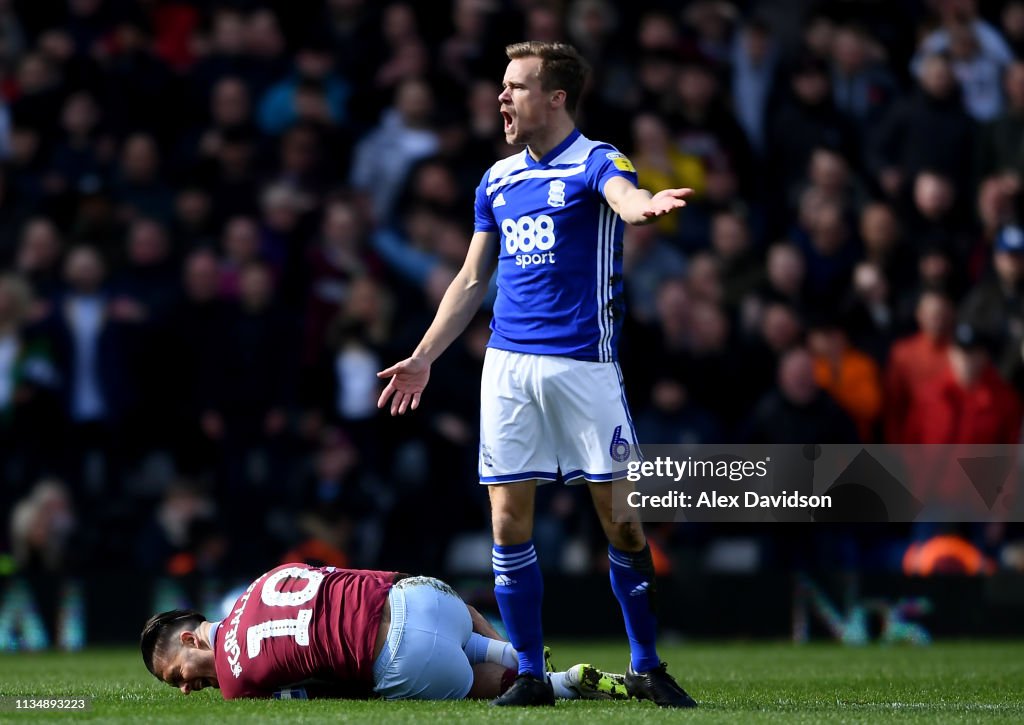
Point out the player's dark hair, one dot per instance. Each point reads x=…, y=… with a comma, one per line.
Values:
x=159, y=632
x=562, y=68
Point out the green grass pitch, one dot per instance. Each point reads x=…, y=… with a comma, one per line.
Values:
x=735, y=683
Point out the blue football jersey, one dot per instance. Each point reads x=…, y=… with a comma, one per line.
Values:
x=560, y=266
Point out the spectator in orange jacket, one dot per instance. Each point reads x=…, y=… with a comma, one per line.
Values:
x=915, y=360
x=849, y=375
x=969, y=402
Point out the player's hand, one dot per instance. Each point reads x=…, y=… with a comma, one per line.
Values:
x=665, y=202
x=408, y=379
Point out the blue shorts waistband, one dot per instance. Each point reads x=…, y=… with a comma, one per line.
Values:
x=396, y=600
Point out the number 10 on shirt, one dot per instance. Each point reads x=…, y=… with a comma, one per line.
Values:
x=298, y=627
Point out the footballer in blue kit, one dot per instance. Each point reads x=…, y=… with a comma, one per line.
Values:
x=550, y=220
x=560, y=261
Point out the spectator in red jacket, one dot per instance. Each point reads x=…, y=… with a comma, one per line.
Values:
x=968, y=402
x=915, y=360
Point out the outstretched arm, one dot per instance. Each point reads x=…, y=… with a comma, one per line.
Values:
x=464, y=296
x=638, y=206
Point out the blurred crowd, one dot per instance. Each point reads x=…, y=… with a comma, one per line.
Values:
x=220, y=218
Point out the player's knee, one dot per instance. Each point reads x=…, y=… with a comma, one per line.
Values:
x=511, y=527
x=626, y=535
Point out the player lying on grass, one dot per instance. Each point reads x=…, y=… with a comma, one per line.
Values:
x=328, y=632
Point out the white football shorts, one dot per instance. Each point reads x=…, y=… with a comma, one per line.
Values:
x=541, y=414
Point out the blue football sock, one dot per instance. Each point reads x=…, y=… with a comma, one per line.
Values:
x=632, y=575
x=519, y=589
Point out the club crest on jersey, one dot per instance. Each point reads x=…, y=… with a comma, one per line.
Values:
x=556, y=193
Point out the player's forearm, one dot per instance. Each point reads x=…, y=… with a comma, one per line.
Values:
x=459, y=304
x=633, y=204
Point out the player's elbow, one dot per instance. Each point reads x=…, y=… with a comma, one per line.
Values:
x=468, y=279
x=472, y=283
x=616, y=204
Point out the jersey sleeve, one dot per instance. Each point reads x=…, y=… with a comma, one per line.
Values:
x=606, y=162
x=484, y=220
